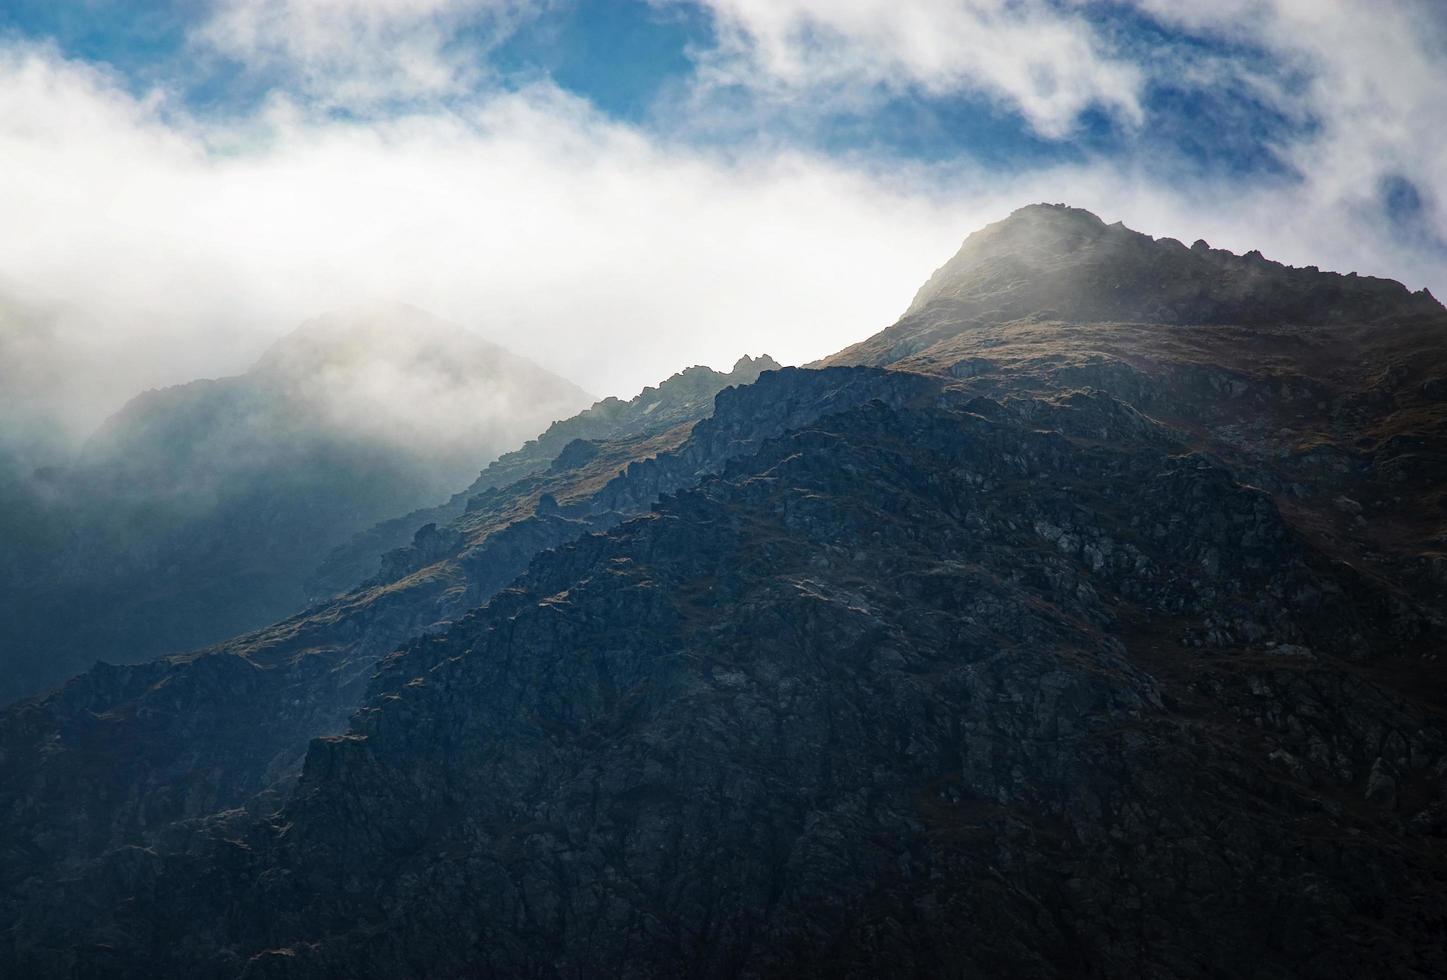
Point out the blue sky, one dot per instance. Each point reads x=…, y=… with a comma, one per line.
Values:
x=618, y=188
x=637, y=62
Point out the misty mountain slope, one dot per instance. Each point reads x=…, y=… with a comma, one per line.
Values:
x=683, y=398
x=882, y=698
x=196, y=512
x=1059, y=647
x=115, y=728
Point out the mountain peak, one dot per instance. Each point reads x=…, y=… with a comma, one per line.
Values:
x=1062, y=215
x=1052, y=263
x=1059, y=262
x=377, y=331
x=755, y=365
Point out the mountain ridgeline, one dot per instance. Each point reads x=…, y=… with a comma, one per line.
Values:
x=677, y=402
x=1087, y=622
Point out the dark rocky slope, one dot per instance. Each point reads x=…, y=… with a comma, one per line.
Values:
x=121, y=754
x=1062, y=648
x=881, y=699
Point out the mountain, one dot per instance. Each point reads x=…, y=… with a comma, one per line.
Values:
x=1096, y=639
x=197, y=512
x=1328, y=390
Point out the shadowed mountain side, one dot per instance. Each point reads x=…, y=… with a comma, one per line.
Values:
x=114, y=728
x=880, y=699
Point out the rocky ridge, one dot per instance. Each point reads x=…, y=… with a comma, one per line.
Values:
x=72, y=760
x=678, y=401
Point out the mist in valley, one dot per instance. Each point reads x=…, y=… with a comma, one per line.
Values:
x=199, y=510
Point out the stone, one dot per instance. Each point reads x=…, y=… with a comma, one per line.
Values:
x=1381, y=785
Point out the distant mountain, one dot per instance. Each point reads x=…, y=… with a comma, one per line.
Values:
x=197, y=511
x=1081, y=623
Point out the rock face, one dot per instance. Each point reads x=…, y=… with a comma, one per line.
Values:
x=1029, y=655
x=196, y=512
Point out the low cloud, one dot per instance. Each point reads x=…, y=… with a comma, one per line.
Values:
x=166, y=249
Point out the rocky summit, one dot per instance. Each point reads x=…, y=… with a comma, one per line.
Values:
x=1087, y=622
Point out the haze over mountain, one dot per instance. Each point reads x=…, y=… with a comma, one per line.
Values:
x=1084, y=622
x=198, y=511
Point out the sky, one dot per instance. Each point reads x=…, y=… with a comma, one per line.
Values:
x=617, y=189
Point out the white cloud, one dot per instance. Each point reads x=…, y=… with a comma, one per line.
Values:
x=147, y=247
x=1365, y=77
x=1361, y=79
x=173, y=249
x=1047, y=64
x=1375, y=81
x=355, y=53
